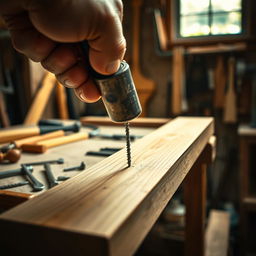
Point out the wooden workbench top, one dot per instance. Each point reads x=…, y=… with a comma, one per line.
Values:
x=109, y=209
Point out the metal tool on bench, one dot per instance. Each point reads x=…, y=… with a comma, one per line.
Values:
x=36, y=184
x=7, y=135
x=119, y=96
x=50, y=177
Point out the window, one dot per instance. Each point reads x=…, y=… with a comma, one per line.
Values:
x=209, y=17
x=198, y=21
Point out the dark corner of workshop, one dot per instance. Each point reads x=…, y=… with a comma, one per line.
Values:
x=128, y=127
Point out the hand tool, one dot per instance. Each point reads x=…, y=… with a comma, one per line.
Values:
x=62, y=178
x=230, y=111
x=14, y=185
x=80, y=167
x=145, y=86
x=118, y=94
x=32, y=139
x=7, y=135
x=11, y=173
x=57, y=161
x=96, y=133
x=42, y=146
x=41, y=99
x=50, y=177
x=110, y=149
x=36, y=184
x=11, y=156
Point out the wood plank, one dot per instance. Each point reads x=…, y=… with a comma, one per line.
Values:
x=230, y=111
x=217, y=234
x=178, y=88
x=138, y=122
x=109, y=209
x=61, y=98
x=145, y=87
x=41, y=99
x=195, y=201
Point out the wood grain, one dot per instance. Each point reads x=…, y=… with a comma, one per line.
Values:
x=33, y=139
x=13, y=133
x=145, y=87
x=41, y=99
x=217, y=233
x=42, y=146
x=220, y=79
x=230, y=110
x=61, y=98
x=178, y=73
x=138, y=122
x=195, y=201
x=109, y=208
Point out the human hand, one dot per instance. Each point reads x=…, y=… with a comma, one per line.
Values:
x=48, y=32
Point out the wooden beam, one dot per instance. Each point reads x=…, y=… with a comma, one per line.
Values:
x=195, y=201
x=109, y=208
x=138, y=122
x=217, y=234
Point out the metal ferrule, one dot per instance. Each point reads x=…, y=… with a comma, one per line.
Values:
x=119, y=94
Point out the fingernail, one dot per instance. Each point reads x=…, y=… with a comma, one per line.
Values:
x=82, y=97
x=113, y=66
x=69, y=84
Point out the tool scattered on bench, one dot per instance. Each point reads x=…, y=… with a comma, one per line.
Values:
x=42, y=146
x=14, y=185
x=103, y=152
x=12, y=173
x=7, y=135
x=118, y=94
x=36, y=184
x=57, y=161
x=80, y=167
x=50, y=177
x=11, y=156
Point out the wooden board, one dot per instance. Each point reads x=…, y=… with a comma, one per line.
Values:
x=40, y=100
x=109, y=209
x=178, y=78
x=138, y=122
x=217, y=234
x=145, y=87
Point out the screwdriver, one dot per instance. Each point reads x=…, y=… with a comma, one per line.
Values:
x=119, y=96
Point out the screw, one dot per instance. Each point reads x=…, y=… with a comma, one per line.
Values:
x=14, y=185
x=51, y=179
x=80, y=167
x=37, y=185
x=58, y=161
x=11, y=173
x=62, y=178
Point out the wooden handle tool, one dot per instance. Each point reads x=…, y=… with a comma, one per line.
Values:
x=42, y=146
x=145, y=87
x=230, y=112
x=14, y=133
x=34, y=139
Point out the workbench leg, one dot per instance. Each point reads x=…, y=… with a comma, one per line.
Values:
x=195, y=202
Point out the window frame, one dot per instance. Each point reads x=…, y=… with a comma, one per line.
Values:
x=206, y=39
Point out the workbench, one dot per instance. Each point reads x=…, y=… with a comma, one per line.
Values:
x=108, y=209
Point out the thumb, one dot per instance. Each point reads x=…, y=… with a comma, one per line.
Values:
x=108, y=49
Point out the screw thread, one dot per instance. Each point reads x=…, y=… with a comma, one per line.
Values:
x=128, y=144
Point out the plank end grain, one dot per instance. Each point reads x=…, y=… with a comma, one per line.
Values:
x=112, y=201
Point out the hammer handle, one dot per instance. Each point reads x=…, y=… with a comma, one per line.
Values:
x=7, y=135
x=42, y=146
x=33, y=139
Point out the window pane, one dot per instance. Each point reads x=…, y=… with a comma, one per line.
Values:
x=226, y=5
x=228, y=23
x=194, y=26
x=193, y=6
